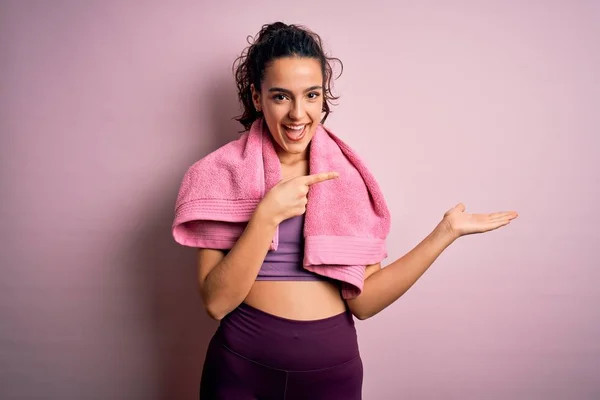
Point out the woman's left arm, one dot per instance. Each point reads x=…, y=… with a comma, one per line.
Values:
x=383, y=286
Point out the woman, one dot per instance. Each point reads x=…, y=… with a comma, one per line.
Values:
x=286, y=332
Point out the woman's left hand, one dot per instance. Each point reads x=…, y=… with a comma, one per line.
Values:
x=461, y=223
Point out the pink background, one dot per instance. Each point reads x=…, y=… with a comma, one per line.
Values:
x=104, y=104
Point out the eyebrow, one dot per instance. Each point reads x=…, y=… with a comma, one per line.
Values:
x=278, y=89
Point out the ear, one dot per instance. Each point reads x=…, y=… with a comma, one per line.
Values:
x=255, y=97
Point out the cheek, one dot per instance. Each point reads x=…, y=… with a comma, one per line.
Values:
x=319, y=104
x=316, y=110
x=275, y=111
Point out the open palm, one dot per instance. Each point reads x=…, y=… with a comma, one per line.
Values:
x=462, y=223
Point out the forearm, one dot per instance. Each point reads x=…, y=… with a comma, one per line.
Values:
x=387, y=285
x=230, y=281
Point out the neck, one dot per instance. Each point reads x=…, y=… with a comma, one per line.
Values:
x=290, y=158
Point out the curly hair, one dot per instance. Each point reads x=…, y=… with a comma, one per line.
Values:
x=273, y=41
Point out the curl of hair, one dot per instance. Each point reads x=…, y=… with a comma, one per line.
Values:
x=274, y=41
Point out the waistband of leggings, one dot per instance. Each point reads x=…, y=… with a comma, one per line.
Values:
x=282, y=343
x=261, y=315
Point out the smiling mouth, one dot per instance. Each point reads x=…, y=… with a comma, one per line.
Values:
x=295, y=133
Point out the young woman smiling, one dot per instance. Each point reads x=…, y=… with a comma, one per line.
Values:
x=286, y=332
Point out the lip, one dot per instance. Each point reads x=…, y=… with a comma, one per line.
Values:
x=291, y=139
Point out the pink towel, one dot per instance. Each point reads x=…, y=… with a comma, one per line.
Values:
x=347, y=219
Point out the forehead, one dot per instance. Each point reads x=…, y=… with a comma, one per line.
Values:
x=293, y=73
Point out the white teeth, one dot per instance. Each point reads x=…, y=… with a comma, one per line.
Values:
x=295, y=128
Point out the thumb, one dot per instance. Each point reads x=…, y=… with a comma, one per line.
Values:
x=460, y=207
x=289, y=178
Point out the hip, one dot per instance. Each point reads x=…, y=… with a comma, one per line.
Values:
x=288, y=344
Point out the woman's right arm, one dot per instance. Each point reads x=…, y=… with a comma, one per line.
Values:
x=226, y=280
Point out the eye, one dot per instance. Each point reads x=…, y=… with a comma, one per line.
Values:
x=279, y=97
x=313, y=95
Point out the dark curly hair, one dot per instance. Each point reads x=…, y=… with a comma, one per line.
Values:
x=278, y=40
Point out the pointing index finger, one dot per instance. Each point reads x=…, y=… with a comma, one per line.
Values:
x=321, y=177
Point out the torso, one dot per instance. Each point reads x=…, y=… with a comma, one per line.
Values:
x=299, y=300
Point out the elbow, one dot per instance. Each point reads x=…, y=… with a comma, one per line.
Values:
x=214, y=310
x=362, y=315
x=213, y=313
x=212, y=306
x=218, y=305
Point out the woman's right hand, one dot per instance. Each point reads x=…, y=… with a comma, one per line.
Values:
x=288, y=198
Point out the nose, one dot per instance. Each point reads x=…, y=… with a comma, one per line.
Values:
x=297, y=110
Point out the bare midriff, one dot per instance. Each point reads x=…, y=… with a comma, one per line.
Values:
x=299, y=300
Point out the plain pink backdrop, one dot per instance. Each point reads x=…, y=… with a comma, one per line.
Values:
x=104, y=104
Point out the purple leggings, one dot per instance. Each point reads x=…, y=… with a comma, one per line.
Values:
x=256, y=355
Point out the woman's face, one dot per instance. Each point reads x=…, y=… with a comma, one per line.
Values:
x=291, y=99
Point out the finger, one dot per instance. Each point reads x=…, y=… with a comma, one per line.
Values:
x=316, y=178
x=504, y=214
x=490, y=226
x=499, y=224
x=497, y=221
x=486, y=220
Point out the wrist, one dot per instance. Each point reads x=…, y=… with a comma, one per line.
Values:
x=264, y=217
x=445, y=231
